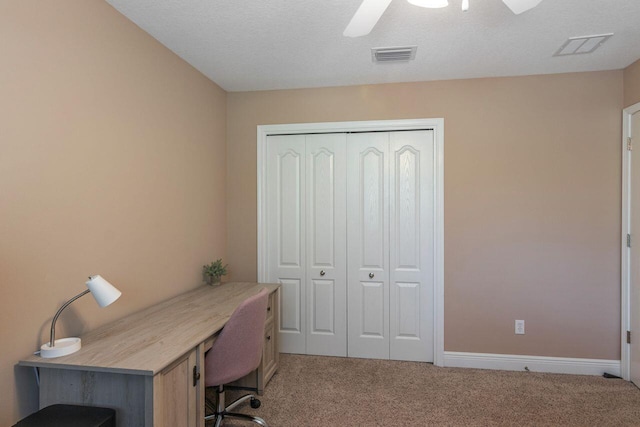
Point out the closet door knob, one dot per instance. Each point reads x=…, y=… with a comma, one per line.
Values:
x=322, y=273
x=371, y=275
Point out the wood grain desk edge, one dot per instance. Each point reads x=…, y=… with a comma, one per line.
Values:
x=75, y=361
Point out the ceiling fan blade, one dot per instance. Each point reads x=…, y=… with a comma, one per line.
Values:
x=366, y=17
x=519, y=6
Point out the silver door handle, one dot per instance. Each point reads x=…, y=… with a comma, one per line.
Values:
x=371, y=275
x=322, y=273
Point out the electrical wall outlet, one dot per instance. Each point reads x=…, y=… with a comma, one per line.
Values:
x=519, y=327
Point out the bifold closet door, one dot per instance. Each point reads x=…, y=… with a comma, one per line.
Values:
x=307, y=240
x=368, y=245
x=286, y=235
x=412, y=245
x=390, y=221
x=326, y=245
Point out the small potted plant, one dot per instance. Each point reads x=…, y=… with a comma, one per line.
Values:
x=212, y=273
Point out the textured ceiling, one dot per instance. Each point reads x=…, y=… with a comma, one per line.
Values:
x=246, y=45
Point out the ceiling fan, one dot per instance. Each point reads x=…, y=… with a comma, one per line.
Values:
x=370, y=11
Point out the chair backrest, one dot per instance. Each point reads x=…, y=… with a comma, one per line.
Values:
x=238, y=348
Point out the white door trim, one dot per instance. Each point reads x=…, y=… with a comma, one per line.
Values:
x=625, y=273
x=366, y=126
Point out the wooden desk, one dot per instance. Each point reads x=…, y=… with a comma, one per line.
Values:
x=149, y=366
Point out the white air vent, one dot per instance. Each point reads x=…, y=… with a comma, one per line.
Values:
x=584, y=44
x=393, y=54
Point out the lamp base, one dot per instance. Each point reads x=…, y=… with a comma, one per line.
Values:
x=62, y=347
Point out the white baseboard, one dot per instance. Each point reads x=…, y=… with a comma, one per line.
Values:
x=514, y=362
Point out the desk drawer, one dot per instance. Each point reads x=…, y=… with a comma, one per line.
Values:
x=269, y=351
x=271, y=306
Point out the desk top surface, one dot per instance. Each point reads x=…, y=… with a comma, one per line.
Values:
x=148, y=341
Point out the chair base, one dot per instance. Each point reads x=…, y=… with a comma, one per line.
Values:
x=220, y=412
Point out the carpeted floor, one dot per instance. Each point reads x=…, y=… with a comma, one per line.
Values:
x=330, y=391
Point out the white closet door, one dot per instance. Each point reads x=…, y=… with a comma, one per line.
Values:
x=286, y=235
x=326, y=272
x=411, y=230
x=351, y=238
x=368, y=248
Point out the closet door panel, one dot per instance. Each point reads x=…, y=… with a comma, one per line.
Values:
x=326, y=245
x=373, y=302
x=290, y=319
x=286, y=235
x=411, y=245
x=372, y=208
x=368, y=253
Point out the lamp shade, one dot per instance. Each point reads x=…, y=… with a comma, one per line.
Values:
x=430, y=3
x=104, y=292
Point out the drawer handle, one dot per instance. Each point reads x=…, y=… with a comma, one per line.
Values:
x=268, y=337
x=371, y=275
x=322, y=273
x=196, y=376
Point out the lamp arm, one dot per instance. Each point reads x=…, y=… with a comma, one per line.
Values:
x=52, y=339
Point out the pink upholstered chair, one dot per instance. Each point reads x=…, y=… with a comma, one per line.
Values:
x=236, y=352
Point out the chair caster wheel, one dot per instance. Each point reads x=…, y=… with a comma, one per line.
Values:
x=255, y=403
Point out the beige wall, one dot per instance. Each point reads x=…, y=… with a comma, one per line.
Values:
x=632, y=84
x=112, y=162
x=532, y=200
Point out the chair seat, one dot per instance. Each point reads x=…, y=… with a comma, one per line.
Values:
x=70, y=415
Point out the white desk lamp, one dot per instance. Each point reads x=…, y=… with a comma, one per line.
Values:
x=104, y=293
